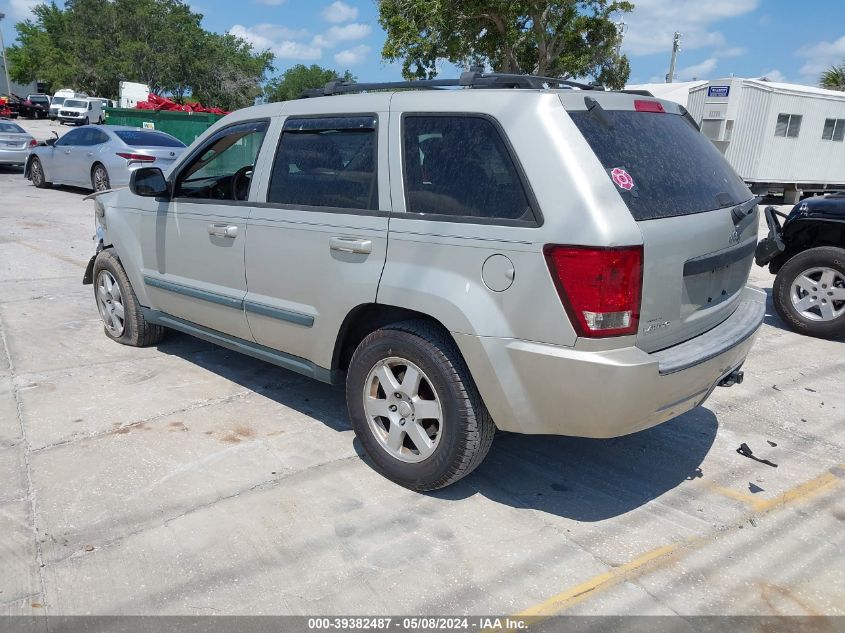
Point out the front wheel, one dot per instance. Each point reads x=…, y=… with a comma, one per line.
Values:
x=809, y=292
x=415, y=408
x=36, y=174
x=118, y=306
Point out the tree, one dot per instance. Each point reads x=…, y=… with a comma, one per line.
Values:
x=834, y=78
x=297, y=79
x=93, y=45
x=565, y=38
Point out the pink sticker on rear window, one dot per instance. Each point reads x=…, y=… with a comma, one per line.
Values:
x=622, y=178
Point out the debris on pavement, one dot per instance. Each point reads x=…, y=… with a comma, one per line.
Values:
x=745, y=451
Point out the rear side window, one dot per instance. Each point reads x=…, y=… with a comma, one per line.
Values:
x=662, y=166
x=143, y=138
x=459, y=166
x=327, y=162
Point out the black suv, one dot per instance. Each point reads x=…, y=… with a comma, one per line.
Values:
x=807, y=252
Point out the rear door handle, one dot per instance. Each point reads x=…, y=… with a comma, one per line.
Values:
x=223, y=230
x=351, y=245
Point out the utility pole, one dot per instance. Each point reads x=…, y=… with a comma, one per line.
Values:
x=676, y=48
x=5, y=60
x=621, y=29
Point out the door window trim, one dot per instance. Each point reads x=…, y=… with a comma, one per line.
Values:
x=174, y=176
x=520, y=173
x=264, y=204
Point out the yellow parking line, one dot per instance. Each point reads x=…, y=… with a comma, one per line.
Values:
x=571, y=597
x=737, y=495
x=662, y=556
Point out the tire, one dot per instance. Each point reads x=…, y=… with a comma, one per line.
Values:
x=112, y=288
x=809, y=292
x=463, y=433
x=36, y=174
x=100, y=178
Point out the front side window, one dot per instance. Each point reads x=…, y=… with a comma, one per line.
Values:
x=327, y=162
x=74, y=137
x=459, y=166
x=222, y=169
x=788, y=125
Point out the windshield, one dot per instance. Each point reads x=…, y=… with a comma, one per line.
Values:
x=672, y=169
x=38, y=99
x=10, y=128
x=76, y=103
x=58, y=100
x=143, y=138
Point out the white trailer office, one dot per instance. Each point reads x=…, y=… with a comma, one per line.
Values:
x=777, y=136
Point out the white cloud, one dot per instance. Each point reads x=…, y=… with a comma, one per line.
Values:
x=698, y=71
x=820, y=57
x=352, y=56
x=736, y=51
x=338, y=12
x=346, y=33
x=281, y=40
x=22, y=9
x=653, y=22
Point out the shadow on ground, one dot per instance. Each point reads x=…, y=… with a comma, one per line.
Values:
x=578, y=478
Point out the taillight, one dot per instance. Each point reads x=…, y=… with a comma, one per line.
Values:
x=640, y=105
x=33, y=143
x=600, y=288
x=137, y=158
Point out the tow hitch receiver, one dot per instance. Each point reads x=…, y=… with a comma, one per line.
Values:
x=734, y=378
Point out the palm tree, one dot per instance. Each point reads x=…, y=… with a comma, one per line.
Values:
x=834, y=78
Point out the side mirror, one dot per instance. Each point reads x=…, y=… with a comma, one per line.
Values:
x=51, y=142
x=149, y=182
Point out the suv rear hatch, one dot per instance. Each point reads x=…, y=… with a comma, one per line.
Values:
x=697, y=218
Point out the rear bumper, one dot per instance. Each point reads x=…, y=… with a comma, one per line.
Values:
x=546, y=389
x=13, y=157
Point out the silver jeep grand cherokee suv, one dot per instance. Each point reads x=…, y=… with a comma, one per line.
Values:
x=517, y=253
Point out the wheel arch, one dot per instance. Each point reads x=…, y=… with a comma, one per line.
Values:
x=365, y=319
x=803, y=235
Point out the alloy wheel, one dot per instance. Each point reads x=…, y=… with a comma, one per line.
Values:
x=101, y=179
x=818, y=294
x=110, y=303
x=403, y=410
x=37, y=172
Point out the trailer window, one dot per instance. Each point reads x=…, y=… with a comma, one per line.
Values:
x=788, y=125
x=834, y=130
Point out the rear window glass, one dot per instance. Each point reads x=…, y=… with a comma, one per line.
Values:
x=148, y=139
x=662, y=165
x=10, y=128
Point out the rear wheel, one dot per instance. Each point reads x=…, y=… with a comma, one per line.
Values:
x=809, y=292
x=415, y=407
x=100, y=178
x=118, y=306
x=36, y=174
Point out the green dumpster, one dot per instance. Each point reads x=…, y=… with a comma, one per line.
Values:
x=186, y=126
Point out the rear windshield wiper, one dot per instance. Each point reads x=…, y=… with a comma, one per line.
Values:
x=742, y=214
x=600, y=114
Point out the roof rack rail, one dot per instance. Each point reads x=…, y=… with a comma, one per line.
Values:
x=470, y=79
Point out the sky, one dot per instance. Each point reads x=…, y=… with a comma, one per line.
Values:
x=783, y=40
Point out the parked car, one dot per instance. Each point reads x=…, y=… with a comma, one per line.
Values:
x=81, y=111
x=106, y=103
x=10, y=107
x=15, y=143
x=533, y=260
x=59, y=99
x=100, y=158
x=35, y=107
x=807, y=253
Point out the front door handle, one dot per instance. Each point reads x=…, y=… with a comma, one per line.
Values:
x=351, y=245
x=223, y=230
